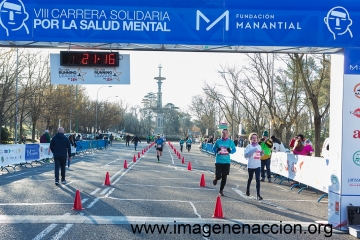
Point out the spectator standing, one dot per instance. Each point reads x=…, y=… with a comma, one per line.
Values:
x=78, y=137
x=236, y=141
x=45, y=138
x=241, y=142
x=73, y=144
x=111, y=138
x=266, y=146
x=292, y=142
x=300, y=149
x=278, y=146
x=127, y=140
x=61, y=150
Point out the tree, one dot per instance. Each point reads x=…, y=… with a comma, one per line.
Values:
x=314, y=71
x=204, y=111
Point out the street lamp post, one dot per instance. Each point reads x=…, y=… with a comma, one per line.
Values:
x=96, y=109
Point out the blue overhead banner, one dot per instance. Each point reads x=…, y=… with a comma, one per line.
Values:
x=315, y=23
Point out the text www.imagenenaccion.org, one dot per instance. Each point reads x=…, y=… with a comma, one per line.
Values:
x=206, y=230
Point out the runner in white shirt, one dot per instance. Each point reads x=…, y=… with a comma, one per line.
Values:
x=253, y=153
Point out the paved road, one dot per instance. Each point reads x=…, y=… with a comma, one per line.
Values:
x=32, y=207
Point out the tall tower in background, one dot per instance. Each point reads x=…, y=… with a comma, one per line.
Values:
x=159, y=125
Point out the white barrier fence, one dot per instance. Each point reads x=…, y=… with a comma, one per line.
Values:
x=310, y=171
x=19, y=154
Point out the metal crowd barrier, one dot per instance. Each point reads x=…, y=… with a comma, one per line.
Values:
x=22, y=155
x=303, y=170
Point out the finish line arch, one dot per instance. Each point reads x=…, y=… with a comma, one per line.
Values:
x=216, y=26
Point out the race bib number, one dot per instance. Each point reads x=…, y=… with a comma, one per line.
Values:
x=159, y=146
x=257, y=155
x=223, y=151
x=188, y=144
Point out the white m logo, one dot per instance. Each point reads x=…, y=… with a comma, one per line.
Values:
x=224, y=15
x=356, y=67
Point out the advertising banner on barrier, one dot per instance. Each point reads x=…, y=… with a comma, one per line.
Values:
x=90, y=75
x=32, y=152
x=311, y=171
x=44, y=151
x=221, y=22
x=12, y=154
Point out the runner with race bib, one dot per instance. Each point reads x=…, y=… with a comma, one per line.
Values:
x=159, y=143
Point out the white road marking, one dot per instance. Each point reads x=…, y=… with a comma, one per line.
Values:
x=240, y=193
x=159, y=186
x=97, y=199
x=110, y=192
x=93, y=202
x=95, y=191
x=111, y=220
x=105, y=190
x=47, y=230
x=59, y=234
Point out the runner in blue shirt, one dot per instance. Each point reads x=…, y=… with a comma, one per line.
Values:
x=181, y=144
x=222, y=148
x=159, y=143
x=188, y=144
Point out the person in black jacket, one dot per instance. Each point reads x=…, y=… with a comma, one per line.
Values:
x=135, y=140
x=128, y=140
x=61, y=149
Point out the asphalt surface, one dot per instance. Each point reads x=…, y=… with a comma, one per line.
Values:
x=148, y=192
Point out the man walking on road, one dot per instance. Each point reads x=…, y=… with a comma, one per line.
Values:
x=61, y=149
x=135, y=140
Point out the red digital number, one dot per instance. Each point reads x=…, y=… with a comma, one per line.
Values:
x=85, y=59
x=112, y=59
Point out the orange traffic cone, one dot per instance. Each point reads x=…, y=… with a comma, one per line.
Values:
x=142, y=152
x=138, y=154
x=107, y=179
x=77, y=202
x=134, y=159
x=183, y=160
x=189, y=166
x=179, y=156
x=218, y=213
x=125, y=164
x=202, y=181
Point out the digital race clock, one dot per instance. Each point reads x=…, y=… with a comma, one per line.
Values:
x=91, y=59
